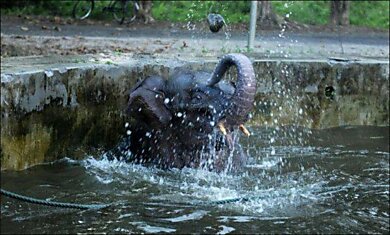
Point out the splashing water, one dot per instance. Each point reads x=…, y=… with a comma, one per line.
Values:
x=325, y=183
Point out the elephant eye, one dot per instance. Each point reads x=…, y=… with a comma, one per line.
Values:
x=159, y=94
x=197, y=96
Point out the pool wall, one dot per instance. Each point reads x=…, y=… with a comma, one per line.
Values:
x=74, y=106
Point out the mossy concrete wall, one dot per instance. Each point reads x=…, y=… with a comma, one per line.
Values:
x=73, y=106
x=322, y=94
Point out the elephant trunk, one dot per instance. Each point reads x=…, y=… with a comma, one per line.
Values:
x=241, y=103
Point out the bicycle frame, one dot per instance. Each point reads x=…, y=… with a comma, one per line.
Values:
x=119, y=8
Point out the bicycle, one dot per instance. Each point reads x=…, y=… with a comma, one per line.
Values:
x=119, y=8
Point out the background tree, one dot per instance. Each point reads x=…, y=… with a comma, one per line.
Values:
x=266, y=18
x=145, y=11
x=339, y=12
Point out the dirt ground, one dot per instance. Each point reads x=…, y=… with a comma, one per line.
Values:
x=37, y=35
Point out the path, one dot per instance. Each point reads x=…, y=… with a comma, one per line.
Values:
x=46, y=36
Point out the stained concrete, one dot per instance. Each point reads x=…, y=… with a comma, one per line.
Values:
x=70, y=106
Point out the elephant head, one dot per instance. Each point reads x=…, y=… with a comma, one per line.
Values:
x=175, y=122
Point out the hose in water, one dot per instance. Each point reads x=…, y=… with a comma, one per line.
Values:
x=101, y=206
x=51, y=203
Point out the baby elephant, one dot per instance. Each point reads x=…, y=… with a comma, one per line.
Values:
x=189, y=119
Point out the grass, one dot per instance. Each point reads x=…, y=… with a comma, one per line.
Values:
x=373, y=14
x=307, y=12
x=184, y=11
x=56, y=8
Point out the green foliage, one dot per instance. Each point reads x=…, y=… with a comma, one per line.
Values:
x=195, y=11
x=53, y=7
x=37, y=7
x=362, y=13
x=307, y=12
x=370, y=13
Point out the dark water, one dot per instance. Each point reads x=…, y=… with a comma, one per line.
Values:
x=328, y=181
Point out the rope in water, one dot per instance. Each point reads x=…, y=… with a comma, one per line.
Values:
x=51, y=203
x=231, y=200
x=101, y=206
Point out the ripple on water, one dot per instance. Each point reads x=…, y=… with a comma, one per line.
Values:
x=196, y=215
x=324, y=188
x=152, y=229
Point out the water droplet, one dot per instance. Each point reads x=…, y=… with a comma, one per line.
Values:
x=126, y=124
x=166, y=101
x=179, y=114
x=49, y=73
x=128, y=132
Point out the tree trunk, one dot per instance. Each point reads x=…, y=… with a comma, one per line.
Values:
x=266, y=17
x=145, y=11
x=345, y=13
x=334, y=12
x=339, y=12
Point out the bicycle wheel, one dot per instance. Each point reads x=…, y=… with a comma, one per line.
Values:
x=119, y=11
x=82, y=9
x=124, y=9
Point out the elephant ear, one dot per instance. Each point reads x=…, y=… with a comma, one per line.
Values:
x=146, y=102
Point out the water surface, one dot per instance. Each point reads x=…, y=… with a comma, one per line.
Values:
x=300, y=181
